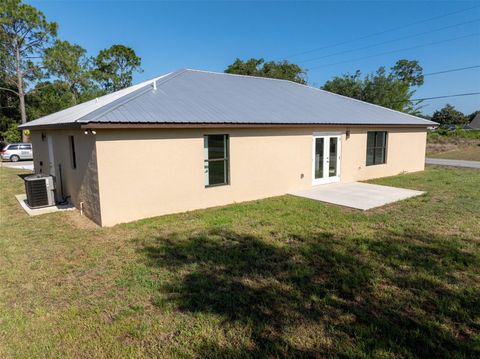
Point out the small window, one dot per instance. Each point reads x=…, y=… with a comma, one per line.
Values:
x=215, y=148
x=13, y=147
x=376, y=147
x=73, y=156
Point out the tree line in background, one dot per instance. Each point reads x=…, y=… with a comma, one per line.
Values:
x=41, y=74
x=393, y=89
x=273, y=69
x=449, y=115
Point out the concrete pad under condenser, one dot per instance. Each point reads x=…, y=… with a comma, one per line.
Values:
x=22, y=198
x=357, y=195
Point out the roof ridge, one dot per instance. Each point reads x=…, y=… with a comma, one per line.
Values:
x=129, y=97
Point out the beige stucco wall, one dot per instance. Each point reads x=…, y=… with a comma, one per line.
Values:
x=81, y=183
x=145, y=173
x=405, y=153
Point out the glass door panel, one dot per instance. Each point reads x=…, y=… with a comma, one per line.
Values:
x=333, y=154
x=319, y=157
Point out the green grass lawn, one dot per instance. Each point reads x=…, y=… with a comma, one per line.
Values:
x=282, y=277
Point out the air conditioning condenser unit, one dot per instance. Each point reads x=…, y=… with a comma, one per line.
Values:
x=40, y=190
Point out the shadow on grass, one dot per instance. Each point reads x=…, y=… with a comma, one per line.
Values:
x=385, y=298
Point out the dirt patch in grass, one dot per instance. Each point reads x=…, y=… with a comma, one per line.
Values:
x=281, y=277
x=471, y=153
x=457, y=148
x=79, y=221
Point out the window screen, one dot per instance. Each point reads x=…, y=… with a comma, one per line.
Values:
x=376, y=147
x=215, y=148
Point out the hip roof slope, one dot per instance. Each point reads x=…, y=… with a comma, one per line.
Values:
x=201, y=97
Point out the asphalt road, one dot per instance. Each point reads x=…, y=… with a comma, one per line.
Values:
x=455, y=163
x=25, y=165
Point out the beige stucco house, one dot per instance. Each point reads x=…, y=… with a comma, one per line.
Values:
x=195, y=139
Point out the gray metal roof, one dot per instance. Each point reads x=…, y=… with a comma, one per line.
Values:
x=475, y=124
x=201, y=97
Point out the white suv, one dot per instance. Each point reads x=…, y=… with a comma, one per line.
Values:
x=17, y=151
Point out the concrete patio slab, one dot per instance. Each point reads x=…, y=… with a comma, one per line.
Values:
x=357, y=195
x=21, y=198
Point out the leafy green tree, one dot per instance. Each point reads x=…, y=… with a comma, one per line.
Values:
x=8, y=105
x=69, y=63
x=274, y=69
x=49, y=97
x=115, y=67
x=346, y=85
x=449, y=115
x=24, y=33
x=409, y=72
x=284, y=70
x=251, y=67
x=383, y=89
x=392, y=89
x=39, y=76
x=11, y=134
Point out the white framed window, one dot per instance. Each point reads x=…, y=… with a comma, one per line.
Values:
x=376, y=147
x=215, y=152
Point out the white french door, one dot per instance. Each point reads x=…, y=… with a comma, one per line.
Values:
x=326, y=158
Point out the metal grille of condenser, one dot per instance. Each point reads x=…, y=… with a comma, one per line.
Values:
x=39, y=190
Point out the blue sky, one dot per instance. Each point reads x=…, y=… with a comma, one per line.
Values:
x=210, y=35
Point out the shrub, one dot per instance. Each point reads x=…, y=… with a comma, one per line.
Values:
x=12, y=134
x=459, y=132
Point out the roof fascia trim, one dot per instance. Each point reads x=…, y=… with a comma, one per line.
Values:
x=57, y=126
x=102, y=125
